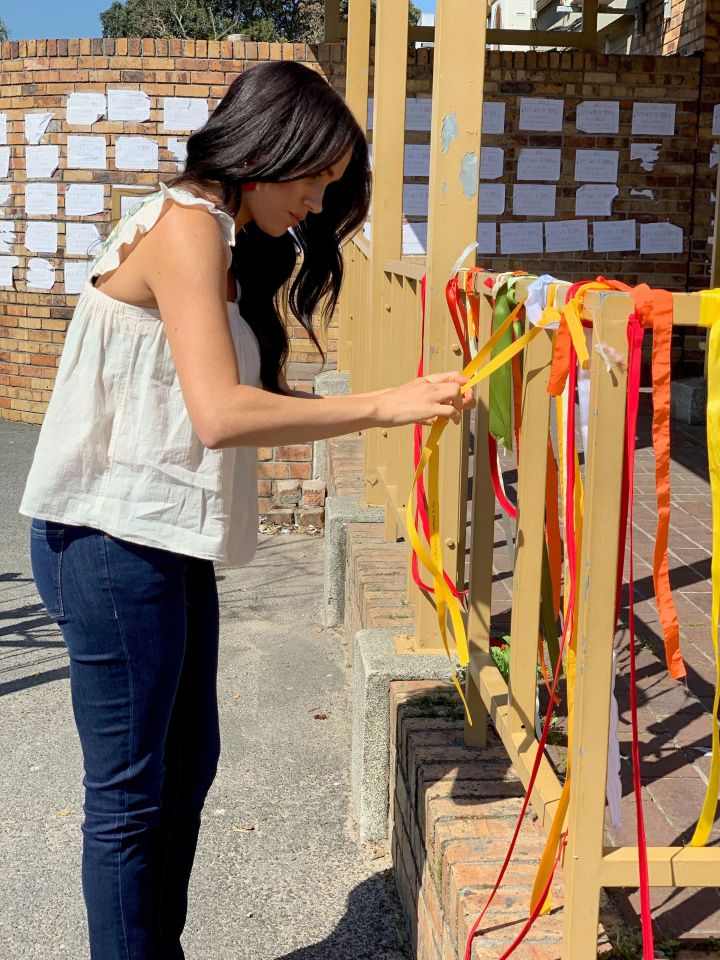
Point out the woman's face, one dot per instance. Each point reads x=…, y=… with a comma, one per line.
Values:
x=277, y=206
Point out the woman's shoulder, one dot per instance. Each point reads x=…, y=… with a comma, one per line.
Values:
x=186, y=205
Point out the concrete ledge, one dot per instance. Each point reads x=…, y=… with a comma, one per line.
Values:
x=376, y=664
x=331, y=383
x=339, y=511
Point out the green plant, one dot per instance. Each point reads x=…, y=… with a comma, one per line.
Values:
x=501, y=656
x=669, y=948
x=627, y=943
x=556, y=735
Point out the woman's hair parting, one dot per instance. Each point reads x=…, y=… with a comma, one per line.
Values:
x=282, y=121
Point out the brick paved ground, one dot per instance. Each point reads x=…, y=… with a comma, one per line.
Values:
x=674, y=717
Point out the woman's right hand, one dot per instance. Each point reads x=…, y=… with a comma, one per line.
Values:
x=424, y=400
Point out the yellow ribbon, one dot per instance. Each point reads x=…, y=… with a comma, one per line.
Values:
x=710, y=317
x=445, y=601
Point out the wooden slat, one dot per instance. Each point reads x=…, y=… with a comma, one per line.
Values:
x=481, y=547
x=458, y=80
x=532, y=465
x=387, y=163
x=558, y=39
x=668, y=866
x=357, y=58
x=596, y=621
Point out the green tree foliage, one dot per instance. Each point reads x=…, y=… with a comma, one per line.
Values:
x=300, y=20
x=4, y=32
x=210, y=19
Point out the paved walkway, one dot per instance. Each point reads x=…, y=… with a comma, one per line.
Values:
x=278, y=875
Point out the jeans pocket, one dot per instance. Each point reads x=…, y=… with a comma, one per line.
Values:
x=47, y=540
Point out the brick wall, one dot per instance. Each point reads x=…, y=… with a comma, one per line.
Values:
x=684, y=31
x=677, y=188
x=38, y=75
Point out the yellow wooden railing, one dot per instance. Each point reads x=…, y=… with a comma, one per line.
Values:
x=379, y=344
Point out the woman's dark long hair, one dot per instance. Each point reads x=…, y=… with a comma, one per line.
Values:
x=282, y=121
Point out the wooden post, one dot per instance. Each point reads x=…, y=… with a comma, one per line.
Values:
x=387, y=164
x=596, y=620
x=589, y=23
x=357, y=62
x=481, y=556
x=332, y=21
x=530, y=533
x=458, y=79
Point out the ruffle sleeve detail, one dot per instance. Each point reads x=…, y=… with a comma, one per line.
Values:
x=143, y=217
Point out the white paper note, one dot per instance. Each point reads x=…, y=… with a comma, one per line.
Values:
x=521, y=238
x=653, y=120
x=534, y=164
x=491, y=199
x=598, y=116
x=415, y=200
x=4, y=162
x=86, y=153
x=595, y=199
x=35, y=126
x=566, y=236
x=713, y=160
x=417, y=160
x=82, y=239
x=614, y=236
x=418, y=113
x=715, y=126
x=128, y=106
x=83, y=109
x=537, y=113
x=178, y=148
x=493, y=119
x=5, y=193
x=487, y=237
x=184, y=113
x=7, y=235
x=41, y=236
x=40, y=274
x=534, y=200
x=6, y=271
x=136, y=153
x=84, y=199
x=75, y=275
x=41, y=162
x=596, y=166
x=647, y=153
x=41, y=199
x=492, y=160
x=648, y=194
x=414, y=238
x=3, y=128
x=660, y=238
x=128, y=201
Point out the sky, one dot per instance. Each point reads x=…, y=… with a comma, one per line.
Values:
x=42, y=19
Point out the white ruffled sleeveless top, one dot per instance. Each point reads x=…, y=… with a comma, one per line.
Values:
x=117, y=450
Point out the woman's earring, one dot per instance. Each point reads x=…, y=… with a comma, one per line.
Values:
x=250, y=185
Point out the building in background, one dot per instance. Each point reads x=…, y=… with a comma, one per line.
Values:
x=624, y=26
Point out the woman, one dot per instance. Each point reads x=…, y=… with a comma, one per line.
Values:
x=145, y=469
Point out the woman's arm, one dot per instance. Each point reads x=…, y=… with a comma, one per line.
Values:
x=185, y=266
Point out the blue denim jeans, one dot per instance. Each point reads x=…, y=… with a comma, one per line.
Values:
x=141, y=626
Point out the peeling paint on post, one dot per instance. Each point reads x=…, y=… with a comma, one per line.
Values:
x=469, y=175
x=450, y=131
